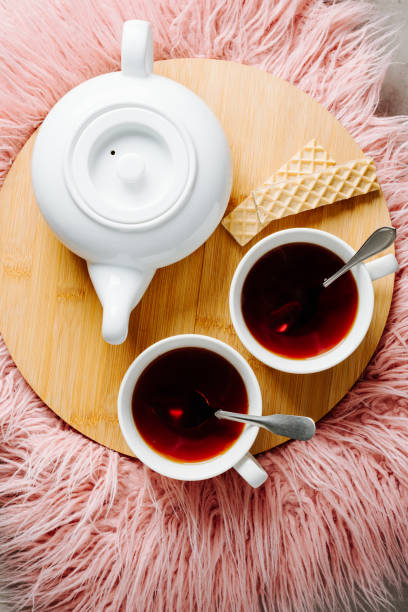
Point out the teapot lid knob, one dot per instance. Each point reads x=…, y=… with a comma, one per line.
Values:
x=137, y=48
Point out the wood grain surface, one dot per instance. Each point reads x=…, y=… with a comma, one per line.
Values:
x=50, y=316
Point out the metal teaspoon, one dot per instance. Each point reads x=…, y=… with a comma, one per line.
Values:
x=288, y=425
x=377, y=242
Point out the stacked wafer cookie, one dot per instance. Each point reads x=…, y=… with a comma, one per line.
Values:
x=308, y=180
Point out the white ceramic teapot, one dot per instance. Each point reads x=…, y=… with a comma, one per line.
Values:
x=133, y=172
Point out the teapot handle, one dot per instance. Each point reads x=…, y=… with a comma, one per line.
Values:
x=137, y=48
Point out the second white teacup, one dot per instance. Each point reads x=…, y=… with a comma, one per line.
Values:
x=236, y=456
x=363, y=274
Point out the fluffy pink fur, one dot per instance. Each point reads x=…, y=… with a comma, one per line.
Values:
x=83, y=528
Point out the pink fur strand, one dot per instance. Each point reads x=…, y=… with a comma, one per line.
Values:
x=85, y=529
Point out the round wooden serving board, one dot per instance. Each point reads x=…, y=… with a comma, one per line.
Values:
x=50, y=316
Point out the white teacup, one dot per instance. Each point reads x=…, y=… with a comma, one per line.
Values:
x=363, y=274
x=236, y=456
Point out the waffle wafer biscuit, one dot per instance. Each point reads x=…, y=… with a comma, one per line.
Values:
x=243, y=222
x=318, y=189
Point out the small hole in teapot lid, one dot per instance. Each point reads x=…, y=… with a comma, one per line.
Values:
x=113, y=152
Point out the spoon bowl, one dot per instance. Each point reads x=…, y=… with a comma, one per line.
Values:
x=189, y=412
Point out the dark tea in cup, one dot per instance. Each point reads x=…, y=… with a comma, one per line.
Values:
x=175, y=398
x=285, y=306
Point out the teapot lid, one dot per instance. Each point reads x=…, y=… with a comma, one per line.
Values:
x=129, y=164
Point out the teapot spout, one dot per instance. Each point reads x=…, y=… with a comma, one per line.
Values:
x=119, y=289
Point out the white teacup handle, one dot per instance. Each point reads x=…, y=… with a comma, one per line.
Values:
x=137, y=48
x=382, y=266
x=251, y=470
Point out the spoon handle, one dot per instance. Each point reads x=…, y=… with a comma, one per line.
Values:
x=379, y=240
x=288, y=425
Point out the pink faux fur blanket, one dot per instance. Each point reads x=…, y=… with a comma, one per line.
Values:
x=83, y=528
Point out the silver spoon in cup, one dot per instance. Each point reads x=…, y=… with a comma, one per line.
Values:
x=379, y=240
x=304, y=308
x=288, y=425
